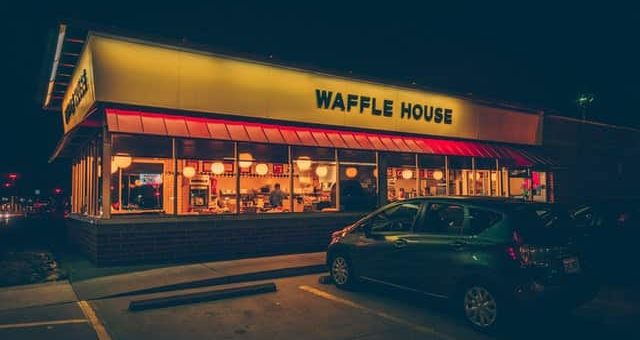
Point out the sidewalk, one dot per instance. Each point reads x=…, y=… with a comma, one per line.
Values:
x=100, y=287
x=40, y=294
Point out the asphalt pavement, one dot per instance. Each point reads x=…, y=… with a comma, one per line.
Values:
x=302, y=307
x=59, y=321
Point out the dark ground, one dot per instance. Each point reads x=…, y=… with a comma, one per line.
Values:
x=27, y=247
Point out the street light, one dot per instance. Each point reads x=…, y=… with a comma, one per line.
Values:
x=584, y=101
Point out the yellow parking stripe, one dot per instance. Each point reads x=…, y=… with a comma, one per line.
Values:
x=42, y=323
x=101, y=332
x=331, y=297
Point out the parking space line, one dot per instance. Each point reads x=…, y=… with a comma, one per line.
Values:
x=331, y=297
x=42, y=323
x=90, y=314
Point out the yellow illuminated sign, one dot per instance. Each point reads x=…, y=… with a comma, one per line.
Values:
x=80, y=96
x=145, y=74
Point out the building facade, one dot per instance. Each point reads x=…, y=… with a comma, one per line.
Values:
x=180, y=153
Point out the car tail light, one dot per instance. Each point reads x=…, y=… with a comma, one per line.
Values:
x=527, y=255
x=512, y=253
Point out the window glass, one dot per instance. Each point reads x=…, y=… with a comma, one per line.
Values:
x=484, y=182
x=460, y=174
x=138, y=185
x=431, y=161
x=141, y=146
x=356, y=156
x=314, y=179
x=485, y=163
x=358, y=187
x=400, y=159
x=549, y=224
x=264, y=152
x=264, y=178
x=401, y=183
x=431, y=175
x=203, y=149
x=539, y=186
x=399, y=217
x=401, y=175
x=315, y=154
x=444, y=219
x=206, y=177
x=206, y=186
x=527, y=184
x=480, y=220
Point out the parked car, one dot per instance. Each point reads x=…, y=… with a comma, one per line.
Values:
x=610, y=228
x=613, y=215
x=489, y=257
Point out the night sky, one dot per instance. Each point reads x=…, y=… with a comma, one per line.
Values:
x=537, y=56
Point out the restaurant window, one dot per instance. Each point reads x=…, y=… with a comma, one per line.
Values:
x=137, y=185
x=264, y=178
x=528, y=185
x=141, y=174
x=539, y=186
x=358, y=175
x=504, y=184
x=206, y=180
x=432, y=180
x=402, y=179
x=520, y=183
x=86, y=190
x=460, y=170
x=485, y=180
x=314, y=179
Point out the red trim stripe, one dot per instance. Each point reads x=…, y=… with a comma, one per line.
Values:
x=130, y=121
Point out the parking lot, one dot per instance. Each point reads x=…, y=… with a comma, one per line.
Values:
x=302, y=307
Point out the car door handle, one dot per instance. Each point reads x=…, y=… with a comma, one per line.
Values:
x=400, y=243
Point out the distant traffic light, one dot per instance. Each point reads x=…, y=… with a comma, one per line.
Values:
x=57, y=191
x=13, y=176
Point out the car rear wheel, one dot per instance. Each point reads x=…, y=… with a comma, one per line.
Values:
x=480, y=307
x=342, y=272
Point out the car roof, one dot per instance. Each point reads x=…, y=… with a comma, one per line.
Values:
x=488, y=202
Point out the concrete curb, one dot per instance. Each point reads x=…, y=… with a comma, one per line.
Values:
x=246, y=277
x=176, y=300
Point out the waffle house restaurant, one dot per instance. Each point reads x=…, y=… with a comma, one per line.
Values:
x=179, y=153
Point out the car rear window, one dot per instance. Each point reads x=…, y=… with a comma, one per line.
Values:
x=544, y=224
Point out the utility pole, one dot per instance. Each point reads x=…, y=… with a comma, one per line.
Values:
x=584, y=101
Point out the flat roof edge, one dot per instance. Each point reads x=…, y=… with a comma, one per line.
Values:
x=204, y=51
x=591, y=122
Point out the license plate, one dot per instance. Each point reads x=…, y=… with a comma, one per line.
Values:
x=571, y=265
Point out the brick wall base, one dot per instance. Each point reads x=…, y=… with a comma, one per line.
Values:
x=161, y=240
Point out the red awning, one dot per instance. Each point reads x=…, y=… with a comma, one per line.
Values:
x=129, y=121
